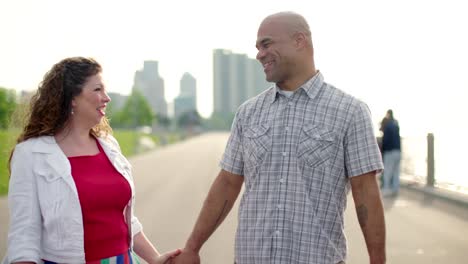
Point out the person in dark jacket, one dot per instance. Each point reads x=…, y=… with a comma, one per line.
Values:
x=391, y=148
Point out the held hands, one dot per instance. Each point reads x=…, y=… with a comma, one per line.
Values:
x=167, y=258
x=187, y=257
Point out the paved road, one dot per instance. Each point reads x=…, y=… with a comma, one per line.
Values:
x=173, y=181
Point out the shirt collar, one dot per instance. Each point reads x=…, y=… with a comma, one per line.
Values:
x=311, y=87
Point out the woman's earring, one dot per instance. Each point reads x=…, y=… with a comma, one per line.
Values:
x=72, y=112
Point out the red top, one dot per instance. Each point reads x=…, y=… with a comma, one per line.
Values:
x=103, y=194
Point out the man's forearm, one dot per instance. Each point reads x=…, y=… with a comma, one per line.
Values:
x=370, y=215
x=218, y=203
x=372, y=223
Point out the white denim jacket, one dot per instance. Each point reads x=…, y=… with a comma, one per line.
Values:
x=45, y=212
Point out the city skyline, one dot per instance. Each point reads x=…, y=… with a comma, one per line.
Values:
x=398, y=55
x=236, y=78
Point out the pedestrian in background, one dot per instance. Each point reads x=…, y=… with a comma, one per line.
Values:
x=391, y=149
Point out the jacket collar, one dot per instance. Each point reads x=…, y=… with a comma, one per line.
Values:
x=46, y=144
x=109, y=148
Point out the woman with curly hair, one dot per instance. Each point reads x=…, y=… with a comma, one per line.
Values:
x=71, y=192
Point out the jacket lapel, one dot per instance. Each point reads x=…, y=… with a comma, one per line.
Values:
x=117, y=159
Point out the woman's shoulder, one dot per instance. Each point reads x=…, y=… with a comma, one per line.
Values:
x=107, y=138
x=34, y=141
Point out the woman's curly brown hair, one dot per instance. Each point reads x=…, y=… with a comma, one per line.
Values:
x=51, y=106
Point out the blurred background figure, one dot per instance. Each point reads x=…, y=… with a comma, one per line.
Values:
x=391, y=149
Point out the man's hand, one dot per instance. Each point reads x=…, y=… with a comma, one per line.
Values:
x=187, y=257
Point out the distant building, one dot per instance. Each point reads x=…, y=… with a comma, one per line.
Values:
x=117, y=101
x=186, y=101
x=148, y=82
x=236, y=78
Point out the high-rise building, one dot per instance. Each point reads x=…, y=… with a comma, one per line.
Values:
x=236, y=78
x=148, y=82
x=186, y=101
x=221, y=81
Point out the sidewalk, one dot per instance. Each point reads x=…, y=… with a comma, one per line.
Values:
x=446, y=201
x=455, y=198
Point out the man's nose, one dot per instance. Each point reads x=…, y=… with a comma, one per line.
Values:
x=260, y=54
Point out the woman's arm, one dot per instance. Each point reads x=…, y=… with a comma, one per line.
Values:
x=24, y=238
x=143, y=248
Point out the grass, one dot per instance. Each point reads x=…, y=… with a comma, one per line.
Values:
x=7, y=142
x=127, y=139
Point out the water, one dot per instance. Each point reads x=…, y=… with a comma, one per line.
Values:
x=449, y=170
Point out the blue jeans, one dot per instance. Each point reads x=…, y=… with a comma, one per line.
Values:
x=391, y=175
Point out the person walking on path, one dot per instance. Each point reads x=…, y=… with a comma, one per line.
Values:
x=391, y=149
x=298, y=147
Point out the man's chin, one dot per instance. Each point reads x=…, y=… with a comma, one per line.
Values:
x=269, y=78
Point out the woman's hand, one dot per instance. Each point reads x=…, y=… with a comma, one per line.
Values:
x=167, y=257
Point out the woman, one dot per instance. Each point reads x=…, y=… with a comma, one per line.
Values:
x=71, y=193
x=391, y=149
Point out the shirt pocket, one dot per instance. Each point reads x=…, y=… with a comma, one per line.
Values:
x=257, y=143
x=315, y=146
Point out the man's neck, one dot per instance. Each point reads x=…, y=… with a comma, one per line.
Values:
x=294, y=84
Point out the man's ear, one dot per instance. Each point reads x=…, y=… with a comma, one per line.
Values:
x=300, y=40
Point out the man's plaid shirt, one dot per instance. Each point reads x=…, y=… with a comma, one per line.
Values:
x=296, y=155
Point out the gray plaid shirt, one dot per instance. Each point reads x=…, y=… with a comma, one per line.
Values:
x=296, y=155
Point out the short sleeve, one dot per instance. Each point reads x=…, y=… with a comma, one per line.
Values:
x=232, y=160
x=362, y=154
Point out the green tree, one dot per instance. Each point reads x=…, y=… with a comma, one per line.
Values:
x=114, y=115
x=136, y=112
x=219, y=121
x=189, y=119
x=163, y=121
x=7, y=106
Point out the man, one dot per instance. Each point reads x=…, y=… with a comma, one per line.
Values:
x=391, y=149
x=299, y=147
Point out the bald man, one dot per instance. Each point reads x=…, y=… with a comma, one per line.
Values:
x=299, y=147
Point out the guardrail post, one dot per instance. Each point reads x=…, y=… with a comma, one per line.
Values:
x=430, y=160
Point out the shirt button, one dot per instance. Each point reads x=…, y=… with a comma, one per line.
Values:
x=281, y=180
x=277, y=233
x=289, y=103
x=284, y=154
x=287, y=128
x=278, y=206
